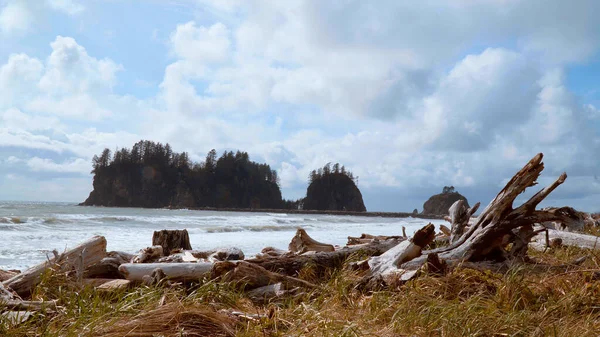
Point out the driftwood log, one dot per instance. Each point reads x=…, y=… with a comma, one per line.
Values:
x=321, y=261
x=173, y=271
x=302, y=243
x=149, y=254
x=252, y=276
x=494, y=229
x=171, y=240
x=566, y=239
x=78, y=258
x=388, y=265
x=459, y=218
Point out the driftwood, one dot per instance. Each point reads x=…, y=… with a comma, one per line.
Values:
x=171, y=240
x=114, y=285
x=79, y=257
x=302, y=243
x=565, y=238
x=445, y=230
x=14, y=318
x=320, y=261
x=459, y=218
x=368, y=238
x=571, y=219
x=387, y=265
x=149, y=254
x=495, y=227
x=173, y=271
x=7, y=294
x=271, y=252
x=6, y=274
x=269, y=293
x=252, y=276
x=15, y=305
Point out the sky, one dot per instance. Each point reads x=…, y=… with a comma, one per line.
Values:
x=411, y=96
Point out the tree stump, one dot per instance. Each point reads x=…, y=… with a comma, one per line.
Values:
x=171, y=239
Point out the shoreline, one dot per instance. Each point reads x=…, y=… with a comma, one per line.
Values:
x=296, y=211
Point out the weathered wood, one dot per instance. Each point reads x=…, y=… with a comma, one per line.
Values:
x=14, y=318
x=271, y=252
x=388, y=264
x=566, y=238
x=485, y=237
x=79, y=257
x=149, y=254
x=445, y=230
x=171, y=239
x=114, y=285
x=107, y=268
x=302, y=243
x=571, y=219
x=7, y=294
x=17, y=305
x=459, y=218
x=321, y=261
x=6, y=274
x=368, y=238
x=174, y=271
x=251, y=276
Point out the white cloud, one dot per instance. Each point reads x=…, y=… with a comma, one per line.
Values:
x=77, y=165
x=71, y=7
x=15, y=17
x=20, y=16
x=201, y=44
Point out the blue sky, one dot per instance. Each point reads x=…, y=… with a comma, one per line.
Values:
x=411, y=96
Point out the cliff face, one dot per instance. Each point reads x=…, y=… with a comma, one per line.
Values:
x=152, y=176
x=440, y=203
x=334, y=191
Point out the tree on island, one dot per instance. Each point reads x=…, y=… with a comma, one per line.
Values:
x=332, y=187
x=153, y=175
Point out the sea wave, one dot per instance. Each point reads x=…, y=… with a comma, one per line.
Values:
x=255, y=228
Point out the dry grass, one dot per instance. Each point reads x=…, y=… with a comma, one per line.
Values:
x=527, y=300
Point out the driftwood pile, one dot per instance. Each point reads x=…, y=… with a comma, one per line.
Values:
x=501, y=233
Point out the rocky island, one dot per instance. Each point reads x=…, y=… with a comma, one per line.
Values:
x=152, y=175
x=333, y=188
x=440, y=203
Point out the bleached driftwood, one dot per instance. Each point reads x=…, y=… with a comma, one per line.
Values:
x=320, y=261
x=6, y=274
x=7, y=294
x=389, y=263
x=148, y=254
x=271, y=252
x=79, y=257
x=459, y=218
x=114, y=285
x=445, y=230
x=566, y=238
x=368, y=238
x=18, y=305
x=268, y=292
x=302, y=243
x=571, y=219
x=171, y=240
x=174, y=271
x=251, y=276
x=108, y=267
x=495, y=227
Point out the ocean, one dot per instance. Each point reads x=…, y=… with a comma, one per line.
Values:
x=31, y=230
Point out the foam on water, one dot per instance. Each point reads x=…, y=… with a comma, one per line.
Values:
x=31, y=230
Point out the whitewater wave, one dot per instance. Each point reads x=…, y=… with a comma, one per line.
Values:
x=256, y=228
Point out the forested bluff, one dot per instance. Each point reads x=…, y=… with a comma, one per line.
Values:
x=152, y=175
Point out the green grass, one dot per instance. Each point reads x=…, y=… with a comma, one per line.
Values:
x=527, y=300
